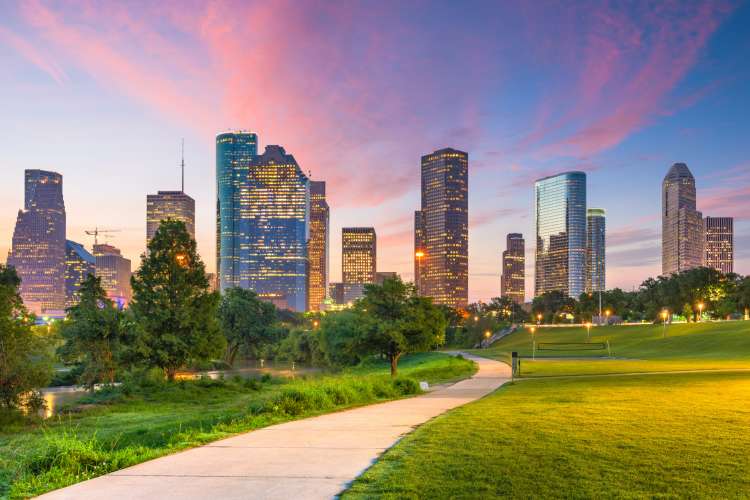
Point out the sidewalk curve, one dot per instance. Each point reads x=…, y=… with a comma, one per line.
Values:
x=311, y=458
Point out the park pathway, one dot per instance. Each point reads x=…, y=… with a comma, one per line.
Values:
x=312, y=458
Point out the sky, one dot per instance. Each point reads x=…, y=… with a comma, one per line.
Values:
x=103, y=93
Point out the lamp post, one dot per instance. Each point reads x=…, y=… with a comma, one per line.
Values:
x=700, y=311
x=539, y=319
x=607, y=313
x=664, y=315
x=588, y=330
x=487, y=335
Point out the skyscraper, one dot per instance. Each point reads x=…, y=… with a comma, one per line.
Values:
x=358, y=254
x=719, y=243
x=165, y=205
x=79, y=263
x=441, y=228
x=274, y=218
x=681, y=224
x=38, y=248
x=512, y=280
x=234, y=151
x=318, y=246
x=595, y=250
x=114, y=271
x=560, y=217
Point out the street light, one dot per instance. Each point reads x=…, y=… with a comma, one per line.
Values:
x=315, y=323
x=487, y=335
x=538, y=318
x=588, y=330
x=181, y=259
x=664, y=315
x=700, y=311
x=607, y=313
x=476, y=318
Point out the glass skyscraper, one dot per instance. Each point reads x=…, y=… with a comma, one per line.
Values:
x=79, y=264
x=318, y=245
x=38, y=248
x=595, y=250
x=719, y=243
x=234, y=151
x=682, y=225
x=560, y=219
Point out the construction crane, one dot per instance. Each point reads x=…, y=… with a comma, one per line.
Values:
x=96, y=232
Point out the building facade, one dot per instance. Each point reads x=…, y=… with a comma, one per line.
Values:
x=38, y=247
x=560, y=221
x=114, y=270
x=385, y=275
x=441, y=228
x=682, y=232
x=358, y=254
x=165, y=205
x=719, y=244
x=79, y=264
x=234, y=151
x=318, y=246
x=345, y=294
x=595, y=250
x=512, y=280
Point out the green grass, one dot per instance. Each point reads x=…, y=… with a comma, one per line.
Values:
x=667, y=435
x=125, y=427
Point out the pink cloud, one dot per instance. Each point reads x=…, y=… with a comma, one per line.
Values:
x=34, y=55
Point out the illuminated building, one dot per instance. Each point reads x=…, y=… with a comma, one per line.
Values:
x=38, y=248
x=512, y=280
x=682, y=225
x=345, y=294
x=79, y=263
x=719, y=243
x=358, y=254
x=175, y=205
x=274, y=221
x=560, y=220
x=317, y=247
x=212, y=283
x=595, y=250
x=234, y=150
x=114, y=271
x=441, y=228
x=385, y=275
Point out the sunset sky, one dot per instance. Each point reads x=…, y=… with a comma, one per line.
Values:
x=103, y=92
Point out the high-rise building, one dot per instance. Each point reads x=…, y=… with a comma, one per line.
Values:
x=114, y=271
x=682, y=225
x=234, y=151
x=595, y=250
x=380, y=277
x=560, y=219
x=79, y=264
x=719, y=243
x=513, y=281
x=345, y=294
x=441, y=228
x=38, y=248
x=274, y=213
x=358, y=254
x=165, y=205
x=317, y=248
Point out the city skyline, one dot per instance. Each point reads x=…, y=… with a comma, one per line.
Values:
x=694, y=99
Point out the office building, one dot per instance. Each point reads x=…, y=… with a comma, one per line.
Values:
x=175, y=205
x=114, y=270
x=38, y=247
x=318, y=246
x=345, y=294
x=441, y=228
x=358, y=254
x=682, y=233
x=560, y=221
x=595, y=250
x=512, y=280
x=719, y=243
x=79, y=264
x=385, y=275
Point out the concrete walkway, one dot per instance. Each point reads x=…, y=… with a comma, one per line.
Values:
x=311, y=458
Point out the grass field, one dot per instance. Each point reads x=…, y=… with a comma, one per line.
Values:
x=120, y=429
x=670, y=435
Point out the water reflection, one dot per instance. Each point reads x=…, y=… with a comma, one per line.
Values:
x=57, y=397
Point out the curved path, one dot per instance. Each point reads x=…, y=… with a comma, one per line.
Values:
x=312, y=458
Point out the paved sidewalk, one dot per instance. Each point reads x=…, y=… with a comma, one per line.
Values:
x=312, y=458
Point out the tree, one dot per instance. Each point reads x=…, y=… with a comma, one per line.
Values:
x=174, y=311
x=396, y=321
x=245, y=321
x=25, y=361
x=552, y=304
x=742, y=294
x=92, y=334
x=337, y=335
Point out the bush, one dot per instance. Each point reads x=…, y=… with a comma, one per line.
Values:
x=407, y=386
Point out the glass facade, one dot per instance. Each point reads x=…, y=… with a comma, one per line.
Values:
x=79, y=263
x=38, y=247
x=560, y=219
x=595, y=250
x=682, y=225
x=513, y=281
x=318, y=245
x=719, y=243
x=358, y=254
x=114, y=271
x=234, y=151
x=165, y=205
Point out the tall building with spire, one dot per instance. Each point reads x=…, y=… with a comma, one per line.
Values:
x=682, y=233
x=38, y=248
x=317, y=248
x=595, y=250
x=513, y=280
x=719, y=244
x=441, y=228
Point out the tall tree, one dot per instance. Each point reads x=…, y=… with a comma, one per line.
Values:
x=92, y=334
x=245, y=321
x=25, y=361
x=173, y=307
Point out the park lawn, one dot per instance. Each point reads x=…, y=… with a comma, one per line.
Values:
x=123, y=430
x=665, y=435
